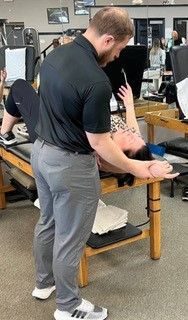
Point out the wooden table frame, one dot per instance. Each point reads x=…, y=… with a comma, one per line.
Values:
x=164, y=118
x=143, y=106
x=108, y=185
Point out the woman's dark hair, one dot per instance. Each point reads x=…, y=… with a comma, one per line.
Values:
x=143, y=154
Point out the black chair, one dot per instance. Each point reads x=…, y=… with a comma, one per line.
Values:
x=178, y=146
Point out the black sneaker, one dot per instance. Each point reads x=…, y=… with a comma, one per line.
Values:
x=8, y=138
x=185, y=194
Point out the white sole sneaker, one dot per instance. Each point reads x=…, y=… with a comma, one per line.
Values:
x=78, y=314
x=43, y=293
x=8, y=142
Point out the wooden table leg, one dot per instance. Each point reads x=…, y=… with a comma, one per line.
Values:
x=83, y=271
x=150, y=131
x=2, y=192
x=155, y=214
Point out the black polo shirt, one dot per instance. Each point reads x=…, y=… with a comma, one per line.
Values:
x=74, y=96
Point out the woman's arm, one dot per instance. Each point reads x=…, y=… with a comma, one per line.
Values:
x=3, y=76
x=126, y=95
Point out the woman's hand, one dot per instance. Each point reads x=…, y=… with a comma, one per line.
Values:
x=127, y=96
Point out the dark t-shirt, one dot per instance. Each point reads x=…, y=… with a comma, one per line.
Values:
x=177, y=42
x=74, y=96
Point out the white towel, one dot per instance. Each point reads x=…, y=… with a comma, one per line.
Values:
x=109, y=218
x=182, y=94
x=15, y=63
x=100, y=204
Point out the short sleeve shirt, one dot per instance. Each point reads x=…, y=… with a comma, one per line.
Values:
x=74, y=96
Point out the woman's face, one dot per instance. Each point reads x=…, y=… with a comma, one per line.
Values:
x=128, y=140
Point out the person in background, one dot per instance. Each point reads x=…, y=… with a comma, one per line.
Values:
x=3, y=76
x=22, y=102
x=175, y=40
x=163, y=43
x=6, y=134
x=157, y=56
x=55, y=43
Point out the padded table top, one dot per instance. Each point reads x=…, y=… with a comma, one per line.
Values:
x=22, y=150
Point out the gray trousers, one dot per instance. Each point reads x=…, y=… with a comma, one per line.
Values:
x=68, y=187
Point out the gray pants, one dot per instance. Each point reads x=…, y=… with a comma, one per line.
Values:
x=68, y=187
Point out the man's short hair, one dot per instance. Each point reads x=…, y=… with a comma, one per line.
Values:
x=113, y=21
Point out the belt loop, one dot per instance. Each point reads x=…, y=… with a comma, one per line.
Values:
x=42, y=142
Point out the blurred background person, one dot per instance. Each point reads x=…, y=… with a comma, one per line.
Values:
x=157, y=55
x=55, y=43
x=163, y=43
x=175, y=40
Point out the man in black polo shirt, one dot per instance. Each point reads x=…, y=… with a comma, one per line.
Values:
x=74, y=121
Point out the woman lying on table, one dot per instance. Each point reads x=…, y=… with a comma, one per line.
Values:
x=23, y=101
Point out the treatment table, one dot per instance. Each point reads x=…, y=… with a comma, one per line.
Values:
x=19, y=156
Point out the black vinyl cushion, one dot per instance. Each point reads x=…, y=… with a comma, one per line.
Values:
x=178, y=147
x=23, y=151
x=99, y=241
x=178, y=55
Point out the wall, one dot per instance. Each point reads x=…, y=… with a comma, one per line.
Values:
x=167, y=12
x=33, y=13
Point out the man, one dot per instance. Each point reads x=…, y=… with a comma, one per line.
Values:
x=74, y=121
x=175, y=40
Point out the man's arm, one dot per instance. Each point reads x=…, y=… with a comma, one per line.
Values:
x=110, y=152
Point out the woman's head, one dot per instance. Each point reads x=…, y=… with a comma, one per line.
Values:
x=155, y=46
x=143, y=154
x=128, y=140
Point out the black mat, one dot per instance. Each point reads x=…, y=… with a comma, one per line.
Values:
x=98, y=241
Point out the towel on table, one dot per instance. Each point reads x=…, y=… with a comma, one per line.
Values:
x=109, y=218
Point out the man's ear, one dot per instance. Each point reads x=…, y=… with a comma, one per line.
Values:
x=109, y=41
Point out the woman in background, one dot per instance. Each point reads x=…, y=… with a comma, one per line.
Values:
x=157, y=56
